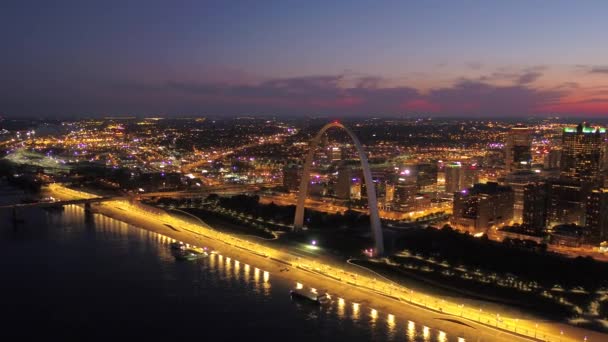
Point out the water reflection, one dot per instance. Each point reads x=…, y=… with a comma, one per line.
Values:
x=355, y=313
x=225, y=273
x=391, y=326
x=411, y=330
x=341, y=308
x=426, y=333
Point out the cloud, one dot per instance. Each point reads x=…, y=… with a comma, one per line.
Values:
x=474, y=65
x=528, y=77
x=525, y=76
x=298, y=95
x=598, y=70
x=341, y=94
x=479, y=98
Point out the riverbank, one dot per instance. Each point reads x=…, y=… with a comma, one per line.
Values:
x=366, y=300
x=379, y=296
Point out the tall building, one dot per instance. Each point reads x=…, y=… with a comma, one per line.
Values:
x=582, y=152
x=605, y=163
x=390, y=193
x=355, y=190
x=469, y=176
x=334, y=153
x=518, y=146
x=405, y=190
x=596, y=218
x=292, y=173
x=535, y=203
x=517, y=181
x=552, y=159
x=566, y=202
x=453, y=177
x=482, y=207
x=426, y=176
x=343, y=185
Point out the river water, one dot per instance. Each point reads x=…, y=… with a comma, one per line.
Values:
x=72, y=275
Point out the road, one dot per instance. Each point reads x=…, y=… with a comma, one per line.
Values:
x=329, y=206
x=344, y=281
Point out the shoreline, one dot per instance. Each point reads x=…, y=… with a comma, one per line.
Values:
x=383, y=305
x=470, y=330
x=380, y=300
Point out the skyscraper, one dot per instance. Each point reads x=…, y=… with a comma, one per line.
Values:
x=518, y=147
x=426, y=175
x=405, y=190
x=535, y=202
x=566, y=202
x=292, y=173
x=453, y=177
x=596, y=218
x=517, y=181
x=344, y=182
x=552, y=159
x=469, y=176
x=582, y=150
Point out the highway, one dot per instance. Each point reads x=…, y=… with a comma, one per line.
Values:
x=345, y=280
x=330, y=206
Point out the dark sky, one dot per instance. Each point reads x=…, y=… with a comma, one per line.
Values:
x=283, y=57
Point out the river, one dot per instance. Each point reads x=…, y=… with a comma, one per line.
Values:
x=71, y=275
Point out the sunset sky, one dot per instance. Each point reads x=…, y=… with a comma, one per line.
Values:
x=348, y=57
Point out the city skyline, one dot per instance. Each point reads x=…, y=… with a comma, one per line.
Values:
x=476, y=59
x=304, y=170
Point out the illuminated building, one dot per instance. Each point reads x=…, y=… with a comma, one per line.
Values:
x=566, y=202
x=355, y=190
x=335, y=153
x=390, y=193
x=596, y=218
x=343, y=185
x=405, y=189
x=426, y=176
x=453, y=177
x=518, y=148
x=292, y=174
x=552, y=159
x=517, y=181
x=469, y=175
x=582, y=153
x=482, y=207
x=534, y=213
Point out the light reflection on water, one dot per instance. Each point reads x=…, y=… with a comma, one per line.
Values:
x=246, y=290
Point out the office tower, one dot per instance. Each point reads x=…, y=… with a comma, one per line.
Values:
x=517, y=181
x=518, y=147
x=535, y=203
x=405, y=190
x=292, y=173
x=355, y=189
x=552, y=159
x=582, y=149
x=453, y=177
x=596, y=218
x=345, y=175
x=390, y=193
x=334, y=153
x=469, y=175
x=566, y=202
x=482, y=207
x=426, y=176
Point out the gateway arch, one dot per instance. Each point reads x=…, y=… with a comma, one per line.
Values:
x=372, y=202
